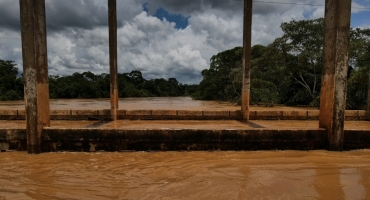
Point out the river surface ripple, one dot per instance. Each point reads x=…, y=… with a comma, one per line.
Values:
x=186, y=175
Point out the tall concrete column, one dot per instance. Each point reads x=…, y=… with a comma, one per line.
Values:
x=368, y=93
x=247, y=43
x=112, y=15
x=334, y=74
x=35, y=71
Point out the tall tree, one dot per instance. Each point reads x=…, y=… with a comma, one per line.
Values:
x=302, y=44
x=11, y=86
x=288, y=71
x=217, y=82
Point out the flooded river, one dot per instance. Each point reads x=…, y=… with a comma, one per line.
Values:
x=149, y=103
x=186, y=175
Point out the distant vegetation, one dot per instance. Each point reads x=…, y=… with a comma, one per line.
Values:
x=288, y=71
x=89, y=85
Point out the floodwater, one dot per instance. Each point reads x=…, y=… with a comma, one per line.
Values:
x=186, y=175
x=150, y=103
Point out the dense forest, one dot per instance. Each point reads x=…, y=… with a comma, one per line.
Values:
x=288, y=71
x=89, y=85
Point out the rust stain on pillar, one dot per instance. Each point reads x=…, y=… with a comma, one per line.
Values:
x=247, y=43
x=334, y=74
x=35, y=69
x=112, y=15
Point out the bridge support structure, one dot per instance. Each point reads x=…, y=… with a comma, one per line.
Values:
x=112, y=18
x=333, y=85
x=247, y=44
x=335, y=69
x=368, y=93
x=35, y=70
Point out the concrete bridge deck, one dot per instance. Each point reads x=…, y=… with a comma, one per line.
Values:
x=166, y=135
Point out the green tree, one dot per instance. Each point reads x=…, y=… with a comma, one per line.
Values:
x=11, y=86
x=360, y=69
x=302, y=45
x=288, y=71
x=268, y=81
x=217, y=81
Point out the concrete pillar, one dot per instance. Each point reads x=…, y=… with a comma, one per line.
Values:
x=368, y=93
x=247, y=43
x=112, y=15
x=35, y=71
x=334, y=74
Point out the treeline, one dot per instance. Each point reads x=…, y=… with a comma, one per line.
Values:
x=89, y=85
x=288, y=71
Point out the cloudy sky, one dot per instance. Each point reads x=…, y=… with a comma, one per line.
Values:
x=161, y=38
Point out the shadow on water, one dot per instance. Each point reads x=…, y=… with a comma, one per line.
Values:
x=254, y=125
x=251, y=124
x=96, y=124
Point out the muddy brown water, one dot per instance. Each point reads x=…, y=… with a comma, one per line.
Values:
x=151, y=103
x=186, y=175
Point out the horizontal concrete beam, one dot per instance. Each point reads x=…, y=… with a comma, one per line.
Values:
x=184, y=114
x=180, y=139
x=163, y=140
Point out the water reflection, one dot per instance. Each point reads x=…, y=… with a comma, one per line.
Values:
x=186, y=175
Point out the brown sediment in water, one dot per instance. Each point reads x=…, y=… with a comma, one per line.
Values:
x=186, y=175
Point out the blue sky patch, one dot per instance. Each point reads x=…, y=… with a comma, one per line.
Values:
x=360, y=19
x=145, y=7
x=181, y=21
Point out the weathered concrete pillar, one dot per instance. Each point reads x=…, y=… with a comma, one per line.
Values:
x=35, y=71
x=112, y=15
x=368, y=93
x=334, y=74
x=247, y=43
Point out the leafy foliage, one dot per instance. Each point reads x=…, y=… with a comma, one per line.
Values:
x=219, y=80
x=358, y=81
x=288, y=71
x=11, y=87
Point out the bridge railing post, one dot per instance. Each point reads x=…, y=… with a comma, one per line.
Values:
x=368, y=92
x=35, y=71
x=247, y=43
x=112, y=18
x=334, y=74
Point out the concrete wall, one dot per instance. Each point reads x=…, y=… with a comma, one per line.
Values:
x=90, y=140
x=183, y=114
